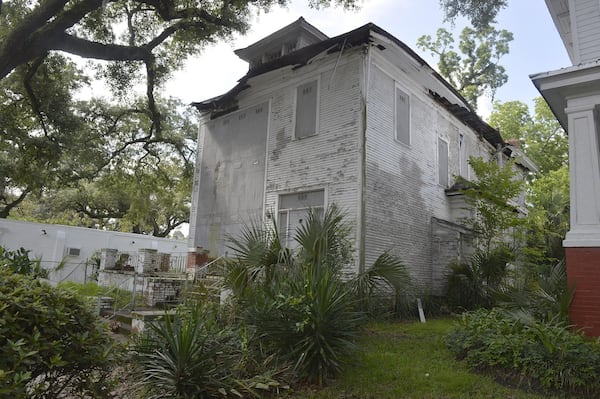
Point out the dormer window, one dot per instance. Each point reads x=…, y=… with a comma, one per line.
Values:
x=286, y=40
x=270, y=56
x=289, y=47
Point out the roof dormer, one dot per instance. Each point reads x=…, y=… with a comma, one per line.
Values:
x=286, y=40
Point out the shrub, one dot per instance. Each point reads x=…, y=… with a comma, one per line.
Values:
x=544, y=296
x=310, y=322
x=50, y=341
x=195, y=355
x=18, y=262
x=186, y=357
x=473, y=285
x=547, y=354
x=303, y=307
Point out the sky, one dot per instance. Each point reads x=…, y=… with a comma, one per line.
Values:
x=536, y=46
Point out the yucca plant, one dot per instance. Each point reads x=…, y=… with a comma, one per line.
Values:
x=300, y=303
x=187, y=356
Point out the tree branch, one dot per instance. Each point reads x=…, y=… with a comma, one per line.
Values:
x=35, y=103
x=4, y=212
x=26, y=41
x=89, y=49
x=150, y=80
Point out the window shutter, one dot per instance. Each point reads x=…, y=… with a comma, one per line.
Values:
x=443, y=162
x=402, y=117
x=306, y=110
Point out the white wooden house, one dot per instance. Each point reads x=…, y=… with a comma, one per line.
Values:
x=573, y=94
x=359, y=120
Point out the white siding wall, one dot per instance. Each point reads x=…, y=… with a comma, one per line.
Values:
x=230, y=173
x=50, y=244
x=329, y=159
x=586, y=20
x=403, y=193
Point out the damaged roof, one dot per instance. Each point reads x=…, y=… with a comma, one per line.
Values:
x=302, y=56
x=357, y=37
x=471, y=119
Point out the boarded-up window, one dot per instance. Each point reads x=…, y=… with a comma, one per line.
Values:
x=306, y=110
x=443, y=162
x=402, y=116
x=293, y=210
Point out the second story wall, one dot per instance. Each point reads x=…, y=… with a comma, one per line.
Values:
x=414, y=150
x=295, y=139
x=229, y=175
x=324, y=162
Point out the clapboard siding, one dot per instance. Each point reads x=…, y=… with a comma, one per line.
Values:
x=587, y=26
x=330, y=159
x=406, y=211
x=403, y=194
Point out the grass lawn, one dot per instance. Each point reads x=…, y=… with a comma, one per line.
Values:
x=92, y=290
x=410, y=360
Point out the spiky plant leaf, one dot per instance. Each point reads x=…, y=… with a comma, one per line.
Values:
x=324, y=239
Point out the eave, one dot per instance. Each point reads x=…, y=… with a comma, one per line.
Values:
x=558, y=86
x=301, y=57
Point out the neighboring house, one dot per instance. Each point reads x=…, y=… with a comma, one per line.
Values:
x=73, y=247
x=573, y=94
x=359, y=120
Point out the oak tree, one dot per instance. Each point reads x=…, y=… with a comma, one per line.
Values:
x=53, y=142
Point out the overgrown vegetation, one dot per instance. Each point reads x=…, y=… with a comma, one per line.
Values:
x=520, y=332
x=190, y=356
x=303, y=308
x=400, y=360
x=508, y=268
x=539, y=354
x=292, y=311
x=497, y=226
x=50, y=340
x=18, y=261
x=92, y=290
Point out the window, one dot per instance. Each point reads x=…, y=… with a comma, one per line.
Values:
x=463, y=156
x=443, y=162
x=402, y=116
x=293, y=210
x=306, y=110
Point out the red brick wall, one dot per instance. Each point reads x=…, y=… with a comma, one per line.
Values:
x=583, y=273
x=196, y=259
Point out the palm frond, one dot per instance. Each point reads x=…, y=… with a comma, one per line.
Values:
x=323, y=239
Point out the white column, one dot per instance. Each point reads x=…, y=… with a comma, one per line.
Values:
x=584, y=166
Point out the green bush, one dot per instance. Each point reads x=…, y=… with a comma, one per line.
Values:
x=546, y=354
x=311, y=322
x=188, y=356
x=50, y=341
x=544, y=296
x=18, y=262
x=196, y=354
x=304, y=308
x=473, y=285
